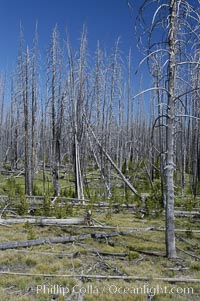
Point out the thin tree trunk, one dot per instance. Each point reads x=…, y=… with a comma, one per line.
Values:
x=28, y=179
x=169, y=168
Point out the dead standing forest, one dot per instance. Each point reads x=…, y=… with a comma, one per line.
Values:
x=78, y=140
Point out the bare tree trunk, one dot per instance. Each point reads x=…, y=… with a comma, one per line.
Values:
x=28, y=179
x=169, y=167
x=78, y=176
x=77, y=107
x=54, y=114
x=128, y=146
x=33, y=107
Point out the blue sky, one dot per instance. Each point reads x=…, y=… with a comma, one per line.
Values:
x=105, y=21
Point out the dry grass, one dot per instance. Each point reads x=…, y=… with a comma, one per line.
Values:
x=47, y=259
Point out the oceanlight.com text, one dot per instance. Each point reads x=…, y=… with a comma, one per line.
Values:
x=112, y=289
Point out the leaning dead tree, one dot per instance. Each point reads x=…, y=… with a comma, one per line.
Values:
x=113, y=164
x=177, y=22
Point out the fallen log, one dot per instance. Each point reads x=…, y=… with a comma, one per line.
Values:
x=186, y=213
x=83, y=276
x=42, y=241
x=189, y=253
x=195, y=246
x=151, y=253
x=41, y=197
x=105, y=235
x=176, y=269
x=108, y=253
x=56, y=240
x=44, y=221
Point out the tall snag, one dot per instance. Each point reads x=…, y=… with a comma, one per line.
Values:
x=169, y=167
x=172, y=32
x=76, y=94
x=53, y=82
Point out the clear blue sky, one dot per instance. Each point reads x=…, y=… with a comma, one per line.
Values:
x=105, y=21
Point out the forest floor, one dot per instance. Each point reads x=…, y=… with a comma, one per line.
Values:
x=68, y=271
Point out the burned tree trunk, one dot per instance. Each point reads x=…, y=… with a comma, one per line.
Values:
x=169, y=167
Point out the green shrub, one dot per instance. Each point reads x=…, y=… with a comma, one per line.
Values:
x=46, y=206
x=37, y=189
x=68, y=192
x=154, y=201
x=23, y=206
x=60, y=210
x=29, y=231
x=132, y=255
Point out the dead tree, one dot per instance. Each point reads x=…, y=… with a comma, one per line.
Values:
x=170, y=138
x=24, y=82
x=53, y=83
x=34, y=95
x=170, y=18
x=77, y=100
